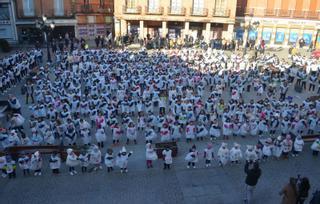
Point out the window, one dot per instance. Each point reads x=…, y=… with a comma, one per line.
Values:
x=131, y=3
x=4, y=12
x=153, y=5
x=220, y=7
x=175, y=6
x=198, y=6
x=28, y=7
x=101, y=3
x=58, y=8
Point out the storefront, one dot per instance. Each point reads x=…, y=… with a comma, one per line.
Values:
x=90, y=31
x=7, y=25
x=175, y=29
x=280, y=32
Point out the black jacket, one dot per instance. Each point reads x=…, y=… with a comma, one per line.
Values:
x=253, y=175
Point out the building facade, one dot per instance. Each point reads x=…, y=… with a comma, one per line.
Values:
x=7, y=21
x=209, y=19
x=61, y=12
x=281, y=22
x=94, y=17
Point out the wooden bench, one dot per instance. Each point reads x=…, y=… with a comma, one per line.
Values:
x=16, y=151
x=159, y=147
x=310, y=138
x=314, y=98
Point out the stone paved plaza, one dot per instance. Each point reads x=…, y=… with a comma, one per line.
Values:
x=215, y=185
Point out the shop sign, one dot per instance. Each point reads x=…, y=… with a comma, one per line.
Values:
x=82, y=31
x=91, y=30
x=100, y=30
x=307, y=38
x=293, y=37
x=239, y=33
x=266, y=34
x=253, y=34
x=279, y=36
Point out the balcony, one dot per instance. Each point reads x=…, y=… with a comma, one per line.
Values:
x=199, y=12
x=154, y=11
x=270, y=12
x=221, y=13
x=131, y=10
x=94, y=8
x=176, y=11
x=312, y=15
x=50, y=13
x=297, y=14
x=249, y=11
x=283, y=13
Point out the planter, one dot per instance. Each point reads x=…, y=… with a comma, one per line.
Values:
x=159, y=147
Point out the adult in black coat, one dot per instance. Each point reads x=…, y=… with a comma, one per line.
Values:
x=253, y=172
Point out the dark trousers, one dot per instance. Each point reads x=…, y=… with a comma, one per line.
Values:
x=166, y=166
x=26, y=172
x=312, y=87
x=55, y=171
x=191, y=164
x=29, y=96
x=12, y=174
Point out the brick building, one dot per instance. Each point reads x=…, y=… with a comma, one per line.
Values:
x=7, y=21
x=175, y=18
x=59, y=11
x=281, y=22
x=94, y=17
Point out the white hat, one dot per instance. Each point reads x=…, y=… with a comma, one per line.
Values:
x=269, y=141
x=249, y=147
x=37, y=154
x=224, y=144
x=33, y=130
x=69, y=150
x=236, y=145
x=279, y=137
x=123, y=150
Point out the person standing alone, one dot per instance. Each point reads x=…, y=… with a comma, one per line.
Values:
x=253, y=172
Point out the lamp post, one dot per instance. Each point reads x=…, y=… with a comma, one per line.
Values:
x=251, y=26
x=46, y=28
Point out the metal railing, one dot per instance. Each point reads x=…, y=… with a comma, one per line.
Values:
x=280, y=13
x=50, y=13
x=198, y=12
x=131, y=10
x=221, y=13
x=94, y=8
x=154, y=11
x=176, y=11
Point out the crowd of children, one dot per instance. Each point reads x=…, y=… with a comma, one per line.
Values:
x=90, y=97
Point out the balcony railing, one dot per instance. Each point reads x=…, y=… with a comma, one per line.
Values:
x=312, y=15
x=50, y=13
x=176, y=11
x=94, y=8
x=199, y=12
x=298, y=14
x=154, y=11
x=270, y=12
x=132, y=10
x=283, y=13
x=221, y=13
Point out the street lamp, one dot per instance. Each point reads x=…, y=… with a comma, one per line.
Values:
x=251, y=26
x=46, y=28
